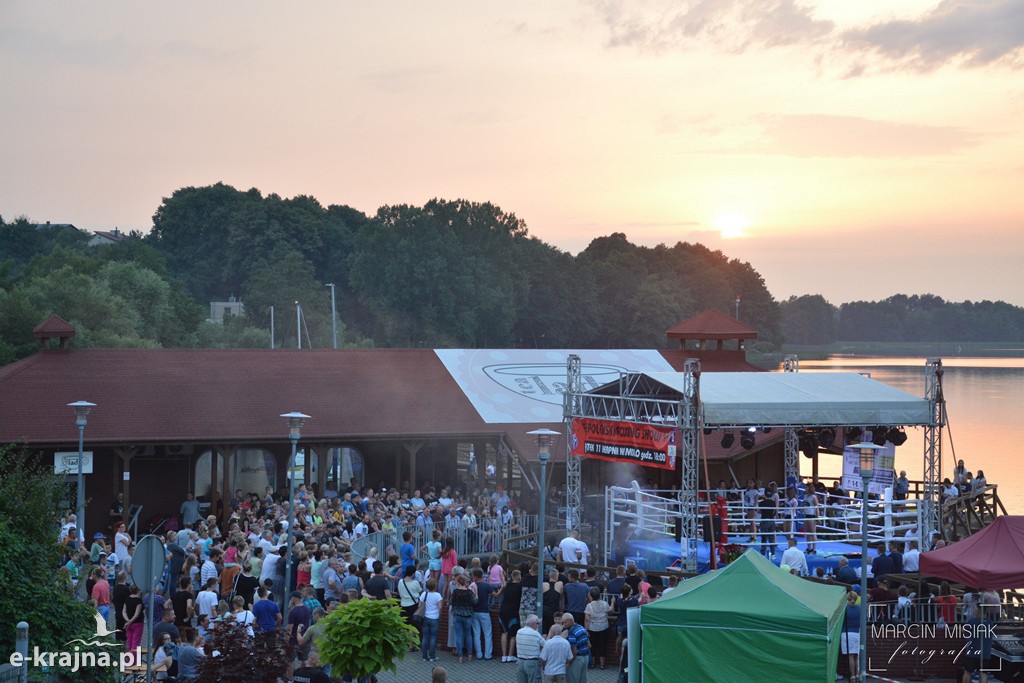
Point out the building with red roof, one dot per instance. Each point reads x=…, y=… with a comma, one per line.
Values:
x=170, y=421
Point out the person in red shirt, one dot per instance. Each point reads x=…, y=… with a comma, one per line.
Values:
x=101, y=593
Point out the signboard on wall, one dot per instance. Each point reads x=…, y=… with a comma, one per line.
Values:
x=67, y=462
x=639, y=444
x=881, y=479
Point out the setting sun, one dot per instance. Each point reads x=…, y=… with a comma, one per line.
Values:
x=732, y=225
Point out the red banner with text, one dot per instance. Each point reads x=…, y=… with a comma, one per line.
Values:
x=639, y=444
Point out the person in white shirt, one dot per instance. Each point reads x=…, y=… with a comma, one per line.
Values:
x=556, y=655
x=795, y=558
x=206, y=600
x=209, y=568
x=529, y=646
x=267, y=542
x=911, y=535
x=912, y=558
x=568, y=548
x=417, y=501
x=360, y=530
x=583, y=551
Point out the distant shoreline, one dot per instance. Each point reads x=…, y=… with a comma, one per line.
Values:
x=949, y=349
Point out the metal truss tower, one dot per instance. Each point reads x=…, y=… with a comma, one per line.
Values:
x=573, y=463
x=688, y=422
x=930, y=513
x=791, y=462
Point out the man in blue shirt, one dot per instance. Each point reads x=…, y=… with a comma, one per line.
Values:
x=576, y=594
x=579, y=640
x=268, y=616
x=846, y=573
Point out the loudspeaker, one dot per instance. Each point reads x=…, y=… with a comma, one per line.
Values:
x=705, y=528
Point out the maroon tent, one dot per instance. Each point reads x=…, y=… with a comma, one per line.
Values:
x=993, y=558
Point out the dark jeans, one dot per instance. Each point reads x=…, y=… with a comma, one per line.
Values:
x=428, y=639
x=767, y=537
x=463, y=635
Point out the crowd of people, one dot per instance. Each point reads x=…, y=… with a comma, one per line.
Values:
x=236, y=571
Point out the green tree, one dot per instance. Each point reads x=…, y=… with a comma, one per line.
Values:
x=35, y=587
x=808, y=319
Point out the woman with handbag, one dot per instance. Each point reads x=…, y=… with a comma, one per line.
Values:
x=409, y=594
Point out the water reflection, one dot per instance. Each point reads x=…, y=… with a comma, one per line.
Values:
x=985, y=406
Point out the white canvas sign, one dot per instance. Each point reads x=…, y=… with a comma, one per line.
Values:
x=527, y=385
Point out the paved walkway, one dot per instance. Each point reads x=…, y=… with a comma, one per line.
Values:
x=413, y=669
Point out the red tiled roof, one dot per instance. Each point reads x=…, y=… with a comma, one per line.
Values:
x=54, y=326
x=188, y=395
x=147, y=396
x=711, y=324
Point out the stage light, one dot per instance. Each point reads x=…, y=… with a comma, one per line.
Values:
x=766, y=430
x=827, y=437
x=809, y=444
x=747, y=440
x=708, y=430
x=728, y=439
x=879, y=436
x=853, y=434
x=897, y=436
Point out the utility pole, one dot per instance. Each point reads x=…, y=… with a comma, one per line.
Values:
x=271, y=327
x=334, y=316
x=298, y=323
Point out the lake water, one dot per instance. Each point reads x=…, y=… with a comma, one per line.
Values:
x=985, y=407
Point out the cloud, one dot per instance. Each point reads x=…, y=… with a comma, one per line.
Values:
x=735, y=25
x=968, y=32
x=819, y=135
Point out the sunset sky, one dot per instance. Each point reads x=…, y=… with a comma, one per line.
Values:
x=852, y=149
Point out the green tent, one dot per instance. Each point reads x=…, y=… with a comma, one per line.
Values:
x=750, y=621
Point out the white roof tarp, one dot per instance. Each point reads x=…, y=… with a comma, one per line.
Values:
x=528, y=385
x=798, y=398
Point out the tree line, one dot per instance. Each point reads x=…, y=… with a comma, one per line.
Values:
x=445, y=274
x=810, y=319
x=449, y=273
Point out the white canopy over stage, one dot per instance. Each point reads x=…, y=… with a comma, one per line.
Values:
x=800, y=399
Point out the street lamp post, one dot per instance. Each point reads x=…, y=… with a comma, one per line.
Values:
x=544, y=437
x=872, y=459
x=82, y=409
x=295, y=421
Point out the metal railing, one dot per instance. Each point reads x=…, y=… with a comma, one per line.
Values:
x=653, y=514
x=468, y=541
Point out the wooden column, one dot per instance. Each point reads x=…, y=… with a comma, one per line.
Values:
x=307, y=464
x=398, y=471
x=412, y=448
x=125, y=455
x=214, y=454
x=322, y=459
